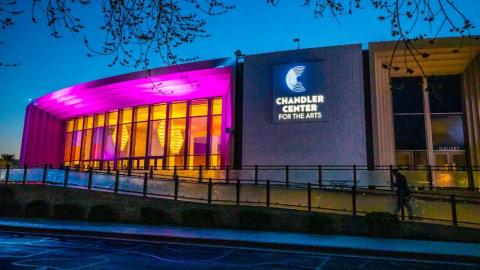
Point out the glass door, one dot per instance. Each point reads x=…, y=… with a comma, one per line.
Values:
x=450, y=159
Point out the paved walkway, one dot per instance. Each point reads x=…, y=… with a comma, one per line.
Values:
x=365, y=245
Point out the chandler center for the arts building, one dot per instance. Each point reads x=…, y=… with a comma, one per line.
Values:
x=340, y=105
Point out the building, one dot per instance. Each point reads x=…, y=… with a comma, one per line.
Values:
x=319, y=106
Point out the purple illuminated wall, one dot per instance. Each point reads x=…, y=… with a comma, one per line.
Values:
x=43, y=135
x=43, y=138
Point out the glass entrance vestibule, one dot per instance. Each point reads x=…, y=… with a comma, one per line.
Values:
x=429, y=122
x=185, y=134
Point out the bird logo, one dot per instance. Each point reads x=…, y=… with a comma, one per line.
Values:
x=292, y=79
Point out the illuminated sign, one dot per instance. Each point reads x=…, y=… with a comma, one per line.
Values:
x=299, y=92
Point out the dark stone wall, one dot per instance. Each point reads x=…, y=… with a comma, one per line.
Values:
x=338, y=141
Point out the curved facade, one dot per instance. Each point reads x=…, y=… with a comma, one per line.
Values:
x=173, y=118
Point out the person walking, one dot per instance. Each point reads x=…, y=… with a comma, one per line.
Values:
x=403, y=193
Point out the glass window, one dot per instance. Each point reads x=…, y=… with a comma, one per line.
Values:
x=459, y=160
x=197, y=146
x=410, y=132
x=445, y=94
x=199, y=108
x=216, y=132
x=447, y=133
x=157, y=138
x=112, y=118
x=407, y=95
x=403, y=158
x=217, y=106
x=70, y=124
x=124, y=140
x=159, y=111
x=68, y=146
x=176, y=137
x=420, y=158
x=77, y=144
x=109, y=143
x=141, y=114
x=99, y=120
x=126, y=116
x=178, y=110
x=79, y=123
x=97, y=143
x=87, y=143
x=89, y=122
x=140, y=139
x=441, y=159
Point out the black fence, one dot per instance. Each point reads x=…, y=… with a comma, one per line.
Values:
x=455, y=209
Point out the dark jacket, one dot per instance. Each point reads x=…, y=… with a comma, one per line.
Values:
x=401, y=184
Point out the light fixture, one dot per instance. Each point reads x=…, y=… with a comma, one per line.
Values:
x=161, y=132
x=176, y=140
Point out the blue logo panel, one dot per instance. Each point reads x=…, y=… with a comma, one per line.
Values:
x=299, y=92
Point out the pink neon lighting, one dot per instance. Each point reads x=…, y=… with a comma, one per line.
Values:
x=88, y=98
x=43, y=136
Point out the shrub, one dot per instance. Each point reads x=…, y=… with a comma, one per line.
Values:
x=151, y=215
x=10, y=209
x=37, y=209
x=6, y=194
x=255, y=219
x=102, y=213
x=68, y=211
x=8, y=205
x=382, y=223
x=198, y=217
x=320, y=223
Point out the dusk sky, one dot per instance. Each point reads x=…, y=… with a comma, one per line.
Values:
x=49, y=64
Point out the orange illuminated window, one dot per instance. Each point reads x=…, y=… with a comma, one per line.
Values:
x=140, y=139
x=217, y=106
x=112, y=118
x=176, y=139
x=79, y=123
x=159, y=111
x=99, y=120
x=141, y=114
x=157, y=138
x=89, y=122
x=68, y=147
x=197, y=145
x=124, y=139
x=199, y=108
x=126, y=116
x=70, y=125
x=87, y=143
x=77, y=144
x=178, y=110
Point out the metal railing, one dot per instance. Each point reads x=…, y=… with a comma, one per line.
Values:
x=354, y=199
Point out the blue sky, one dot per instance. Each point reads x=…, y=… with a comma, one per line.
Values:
x=48, y=64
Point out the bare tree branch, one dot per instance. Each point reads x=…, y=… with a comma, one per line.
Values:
x=8, y=10
x=407, y=19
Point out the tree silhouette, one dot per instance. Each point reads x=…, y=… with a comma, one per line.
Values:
x=8, y=10
x=137, y=30
x=8, y=157
x=406, y=18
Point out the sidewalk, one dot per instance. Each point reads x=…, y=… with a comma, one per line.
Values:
x=279, y=240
